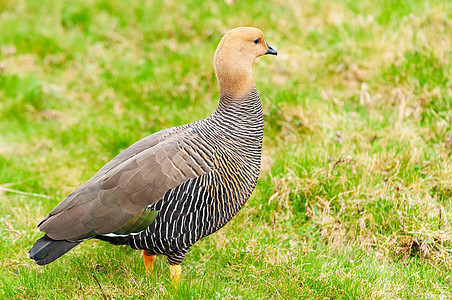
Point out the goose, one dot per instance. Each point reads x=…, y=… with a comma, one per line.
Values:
x=172, y=188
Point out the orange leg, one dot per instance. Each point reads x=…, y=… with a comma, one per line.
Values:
x=175, y=271
x=148, y=260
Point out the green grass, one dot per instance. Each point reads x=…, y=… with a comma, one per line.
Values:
x=355, y=195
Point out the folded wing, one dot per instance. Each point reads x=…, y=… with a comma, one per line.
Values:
x=135, y=179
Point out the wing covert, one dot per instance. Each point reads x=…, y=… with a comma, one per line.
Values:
x=127, y=185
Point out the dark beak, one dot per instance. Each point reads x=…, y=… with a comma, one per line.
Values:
x=271, y=50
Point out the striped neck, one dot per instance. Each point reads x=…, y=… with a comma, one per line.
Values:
x=248, y=104
x=240, y=121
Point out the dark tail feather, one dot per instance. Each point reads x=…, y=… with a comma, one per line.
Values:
x=115, y=240
x=46, y=250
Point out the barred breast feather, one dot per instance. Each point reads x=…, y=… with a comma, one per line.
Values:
x=204, y=204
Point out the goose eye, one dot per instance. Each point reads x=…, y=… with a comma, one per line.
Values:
x=256, y=41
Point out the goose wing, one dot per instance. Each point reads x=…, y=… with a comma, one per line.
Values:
x=135, y=179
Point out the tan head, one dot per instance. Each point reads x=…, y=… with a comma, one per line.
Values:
x=234, y=57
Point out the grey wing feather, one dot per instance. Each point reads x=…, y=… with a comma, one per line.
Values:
x=134, y=149
x=136, y=178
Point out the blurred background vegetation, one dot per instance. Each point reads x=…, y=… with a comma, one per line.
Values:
x=354, y=199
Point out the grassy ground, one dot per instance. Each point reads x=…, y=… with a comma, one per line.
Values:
x=355, y=195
